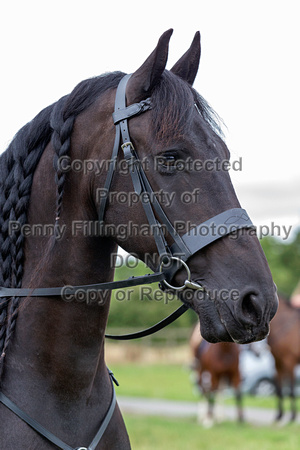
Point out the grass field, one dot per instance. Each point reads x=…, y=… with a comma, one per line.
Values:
x=156, y=433
x=158, y=378
x=171, y=382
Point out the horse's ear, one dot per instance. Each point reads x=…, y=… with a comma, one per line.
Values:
x=142, y=82
x=187, y=67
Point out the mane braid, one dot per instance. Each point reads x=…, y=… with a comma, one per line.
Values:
x=63, y=118
x=61, y=141
x=17, y=167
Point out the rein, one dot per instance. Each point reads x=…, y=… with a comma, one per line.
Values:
x=172, y=258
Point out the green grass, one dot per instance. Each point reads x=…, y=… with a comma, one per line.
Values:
x=166, y=381
x=148, y=433
x=154, y=381
x=171, y=382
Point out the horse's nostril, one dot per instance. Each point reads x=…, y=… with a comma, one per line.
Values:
x=250, y=309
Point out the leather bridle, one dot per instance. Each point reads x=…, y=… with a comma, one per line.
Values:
x=171, y=258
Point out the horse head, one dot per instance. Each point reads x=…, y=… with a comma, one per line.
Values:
x=185, y=162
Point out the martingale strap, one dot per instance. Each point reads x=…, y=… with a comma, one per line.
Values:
x=50, y=436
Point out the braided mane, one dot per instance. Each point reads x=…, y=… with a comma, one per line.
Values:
x=17, y=167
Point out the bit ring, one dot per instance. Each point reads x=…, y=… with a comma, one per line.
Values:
x=188, y=283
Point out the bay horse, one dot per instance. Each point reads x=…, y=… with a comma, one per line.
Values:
x=59, y=233
x=216, y=366
x=284, y=343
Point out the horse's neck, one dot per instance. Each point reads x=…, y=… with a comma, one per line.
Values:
x=59, y=344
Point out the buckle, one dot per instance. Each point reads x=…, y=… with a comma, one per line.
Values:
x=130, y=144
x=128, y=150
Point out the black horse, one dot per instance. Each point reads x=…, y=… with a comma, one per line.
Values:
x=52, y=349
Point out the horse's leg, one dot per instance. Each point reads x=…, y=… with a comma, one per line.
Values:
x=239, y=404
x=202, y=414
x=278, y=386
x=208, y=419
x=238, y=396
x=212, y=398
x=211, y=403
x=293, y=397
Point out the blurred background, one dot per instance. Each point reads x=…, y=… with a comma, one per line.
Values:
x=249, y=73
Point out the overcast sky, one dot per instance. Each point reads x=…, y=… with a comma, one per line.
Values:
x=249, y=73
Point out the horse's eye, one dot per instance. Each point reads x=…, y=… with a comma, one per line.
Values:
x=169, y=160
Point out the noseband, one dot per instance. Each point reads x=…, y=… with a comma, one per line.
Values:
x=172, y=257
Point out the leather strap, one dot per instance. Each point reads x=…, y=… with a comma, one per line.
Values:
x=71, y=290
x=132, y=110
x=50, y=436
x=107, y=418
x=121, y=87
x=33, y=423
x=158, y=326
x=109, y=177
x=209, y=231
x=139, y=179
